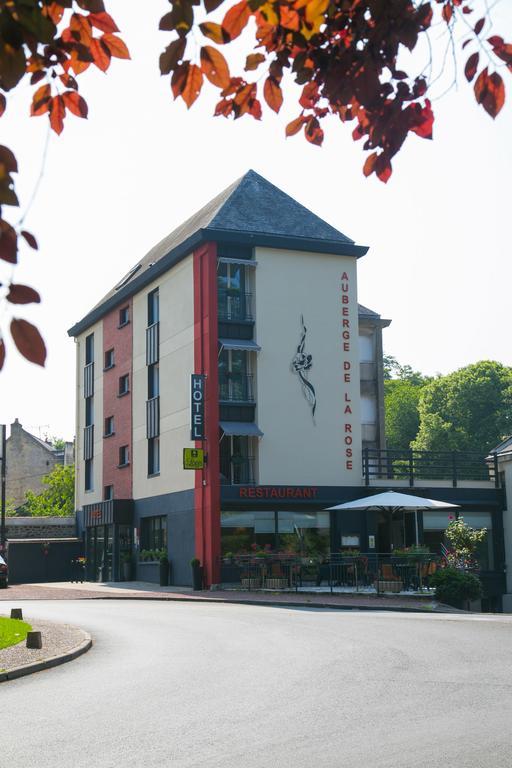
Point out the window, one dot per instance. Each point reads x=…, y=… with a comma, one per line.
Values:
x=108, y=492
x=89, y=411
x=153, y=307
x=89, y=349
x=154, y=456
x=231, y=292
x=153, y=532
x=153, y=380
x=128, y=277
x=305, y=533
x=124, y=316
x=109, y=426
x=109, y=359
x=123, y=456
x=124, y=384
x=88, y=475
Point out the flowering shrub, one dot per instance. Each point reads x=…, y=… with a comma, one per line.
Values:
x=454, y=586
x=464, y=540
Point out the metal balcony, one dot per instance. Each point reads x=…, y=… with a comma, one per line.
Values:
x=235, y=307
x=237, y=470
x=236, y=388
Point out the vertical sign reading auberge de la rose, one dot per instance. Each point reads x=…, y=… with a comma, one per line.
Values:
x=197, y=406
x=346, y=335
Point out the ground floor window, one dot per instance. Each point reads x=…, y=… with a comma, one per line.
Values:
x=153, y=533
x=305, y=533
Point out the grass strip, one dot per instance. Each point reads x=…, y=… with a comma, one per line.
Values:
x=12, y=631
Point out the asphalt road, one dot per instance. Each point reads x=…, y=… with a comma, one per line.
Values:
x=172, y=684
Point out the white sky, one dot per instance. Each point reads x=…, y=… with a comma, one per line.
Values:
x=439, y=231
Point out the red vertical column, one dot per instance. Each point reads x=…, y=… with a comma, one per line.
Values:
x=207, y=486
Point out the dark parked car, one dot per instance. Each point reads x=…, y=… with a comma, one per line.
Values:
x=3, y=573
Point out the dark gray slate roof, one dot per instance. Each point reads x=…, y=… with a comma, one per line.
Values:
x=251, y=211
x=364, y=312
x=505, y=447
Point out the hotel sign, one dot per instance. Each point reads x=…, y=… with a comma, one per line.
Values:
x=193, y=458
x=197, y=407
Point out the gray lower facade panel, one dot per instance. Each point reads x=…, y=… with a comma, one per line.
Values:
x=179, y=509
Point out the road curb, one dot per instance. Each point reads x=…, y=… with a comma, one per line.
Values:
x=280, y=604
x=53, y=661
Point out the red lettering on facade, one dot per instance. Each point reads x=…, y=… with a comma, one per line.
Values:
x=346, y=378
x=348, y=464
x=348, y=409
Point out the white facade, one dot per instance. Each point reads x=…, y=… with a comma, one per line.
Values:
x=297, y=448
x=176, y=328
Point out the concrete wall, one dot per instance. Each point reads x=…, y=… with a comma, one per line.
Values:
x=28, y=461
x=295, y=448
x=176, y=292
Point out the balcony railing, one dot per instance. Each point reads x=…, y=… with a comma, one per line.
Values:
x=236, y=307
x=236, y=388
x=89, y=380
x=153, y=417
x=88, y=442
x=416, y=466
x=152, y=343
x=237, y=470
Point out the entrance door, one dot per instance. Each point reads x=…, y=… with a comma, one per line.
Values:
x=99, y=552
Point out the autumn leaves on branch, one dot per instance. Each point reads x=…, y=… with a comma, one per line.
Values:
x=52, y=43
x=344, y=55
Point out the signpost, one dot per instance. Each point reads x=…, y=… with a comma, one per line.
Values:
x=197, y=406
x=193, y=458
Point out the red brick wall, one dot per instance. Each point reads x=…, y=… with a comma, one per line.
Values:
x=119, y=339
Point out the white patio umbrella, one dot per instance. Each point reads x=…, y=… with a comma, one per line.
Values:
x=394, y=502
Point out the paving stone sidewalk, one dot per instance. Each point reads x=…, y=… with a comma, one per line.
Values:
x=145, y=591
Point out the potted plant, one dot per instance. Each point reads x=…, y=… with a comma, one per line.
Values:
x=164, y=568
x=197, y=574
x=126, y=566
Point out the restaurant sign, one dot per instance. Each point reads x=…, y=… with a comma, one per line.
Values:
x=193, y=458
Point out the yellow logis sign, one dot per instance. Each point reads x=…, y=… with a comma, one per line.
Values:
x=193, y=458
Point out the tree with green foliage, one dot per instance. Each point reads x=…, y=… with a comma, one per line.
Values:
x=402, y=389
x=57, y=499
x=467, y=410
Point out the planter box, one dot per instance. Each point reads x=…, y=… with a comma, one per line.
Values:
x=390, y=586
x=148, y=571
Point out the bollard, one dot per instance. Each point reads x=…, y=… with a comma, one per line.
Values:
x=34, y=640
x=16, y=613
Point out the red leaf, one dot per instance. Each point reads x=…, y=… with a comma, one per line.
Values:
x=273, y=94
x=57, y=114
x=101, y=54
x=2, y=354
x=81, y=29
x=314, y=134
x=28, y=340
x=369, y=166
x=479, y=26
x=236, y=19
x=103, y=21
x=22, y=294
x=41, y=101
x=8, y=160
x=172, y=55
x=8, y=242
x=75, y=103
x=383, y=168
x=295, y=125
x=116, y=46
x=29, y=237
x=309, y=95
x=214, y=66
x=187, y=81
x=490, y=92
x=471, y=66
x=211, y=5
x=447, y=15
x=253, y=61
x=214, y=32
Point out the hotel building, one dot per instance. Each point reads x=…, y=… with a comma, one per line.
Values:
x=240, y=334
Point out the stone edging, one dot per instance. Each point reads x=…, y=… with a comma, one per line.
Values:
x=53, y=661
